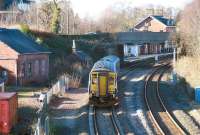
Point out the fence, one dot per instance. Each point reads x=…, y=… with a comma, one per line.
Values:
x=57, y=88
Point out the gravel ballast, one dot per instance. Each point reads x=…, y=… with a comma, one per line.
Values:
x=178, y=103
x=131, y=111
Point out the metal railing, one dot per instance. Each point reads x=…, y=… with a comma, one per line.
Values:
x=57, y=88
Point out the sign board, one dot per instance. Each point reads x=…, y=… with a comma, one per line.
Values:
x=197, y=94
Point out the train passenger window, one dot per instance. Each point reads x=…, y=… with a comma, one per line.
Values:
x=94, y=79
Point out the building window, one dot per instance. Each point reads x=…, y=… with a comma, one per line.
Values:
x=146, y=26
x=29, y=69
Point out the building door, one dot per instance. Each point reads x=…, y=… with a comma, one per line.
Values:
x=37, y=68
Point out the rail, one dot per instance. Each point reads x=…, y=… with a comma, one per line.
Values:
x=158, y=114
x=96, y=129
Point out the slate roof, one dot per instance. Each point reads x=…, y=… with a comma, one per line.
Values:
x=162, y=19
x=142, y=37
x=166, y=21
x=20, y=42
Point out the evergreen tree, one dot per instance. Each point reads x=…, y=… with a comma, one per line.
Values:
x=55, y=18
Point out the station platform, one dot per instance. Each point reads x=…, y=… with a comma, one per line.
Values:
x=145, y=57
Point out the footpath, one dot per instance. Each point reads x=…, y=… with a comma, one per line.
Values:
x=69, y=114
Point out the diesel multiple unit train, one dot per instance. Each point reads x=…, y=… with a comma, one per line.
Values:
x=103, y=81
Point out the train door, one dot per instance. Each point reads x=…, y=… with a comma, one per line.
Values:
x=102, y=84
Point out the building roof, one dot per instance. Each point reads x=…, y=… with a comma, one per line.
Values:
x=142, y=37
x=20, y=42
x=6, y=96
x=166, y=21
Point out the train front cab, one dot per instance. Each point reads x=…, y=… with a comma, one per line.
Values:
x=103, y=86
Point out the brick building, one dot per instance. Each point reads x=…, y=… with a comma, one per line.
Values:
x=156, y=24
x=24, y=59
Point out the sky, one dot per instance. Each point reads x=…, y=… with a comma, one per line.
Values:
x=94, y=8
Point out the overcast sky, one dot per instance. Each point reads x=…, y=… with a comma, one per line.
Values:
x=95, y=7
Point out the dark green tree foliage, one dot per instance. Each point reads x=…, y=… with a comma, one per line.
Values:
x=55, y=18
x=98, y=51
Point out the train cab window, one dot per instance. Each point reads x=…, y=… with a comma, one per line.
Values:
x=94, y=79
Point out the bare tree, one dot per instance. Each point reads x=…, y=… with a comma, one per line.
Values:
x=189, y=29
x=118, y=17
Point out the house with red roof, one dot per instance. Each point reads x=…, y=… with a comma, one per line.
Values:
x=155, y=23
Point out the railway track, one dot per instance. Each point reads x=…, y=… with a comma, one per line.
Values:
x=114, y=123
x=184, y=113
x=160, y=118
x=94, y=126
x=104, y=115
